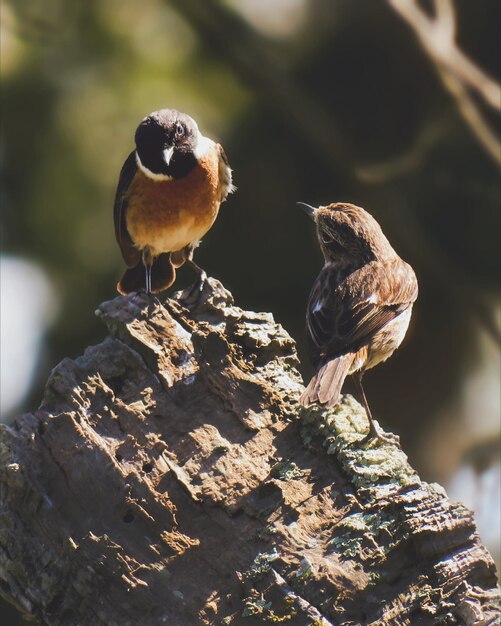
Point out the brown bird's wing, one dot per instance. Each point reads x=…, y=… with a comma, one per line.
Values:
x=344, y=313
x=130, y=253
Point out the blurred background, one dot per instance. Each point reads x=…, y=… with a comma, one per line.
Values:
x=390, y=104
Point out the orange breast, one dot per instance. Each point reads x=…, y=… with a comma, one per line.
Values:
x=169, y=215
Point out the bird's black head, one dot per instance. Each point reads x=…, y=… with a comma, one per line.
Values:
x=166, y=143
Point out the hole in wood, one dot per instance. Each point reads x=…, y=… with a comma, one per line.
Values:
x=290, y=515
x=128, y=517
x=147, y=467
x=116, y=384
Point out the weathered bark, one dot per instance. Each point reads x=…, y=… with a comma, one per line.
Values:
x=169, y=477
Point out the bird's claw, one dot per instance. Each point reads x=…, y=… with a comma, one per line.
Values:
x=195, y=291
x=375, y=434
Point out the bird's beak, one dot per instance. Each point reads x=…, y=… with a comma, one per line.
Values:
x=167, y=154
x=309, y=210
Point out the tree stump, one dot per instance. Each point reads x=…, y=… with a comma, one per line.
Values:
x=170, y=477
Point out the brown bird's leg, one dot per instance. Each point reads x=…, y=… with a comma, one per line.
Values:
x=373, y=430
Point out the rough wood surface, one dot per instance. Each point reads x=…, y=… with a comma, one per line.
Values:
x=169, y=477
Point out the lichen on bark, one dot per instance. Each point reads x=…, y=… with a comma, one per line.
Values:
x=170, y=476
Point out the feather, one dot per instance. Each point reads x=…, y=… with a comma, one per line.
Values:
x=325, y=387
x=163, y=274
x=130, y=253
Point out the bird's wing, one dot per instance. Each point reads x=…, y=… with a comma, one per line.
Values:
x=130, y=253
x=225, y=178
x=343, y=314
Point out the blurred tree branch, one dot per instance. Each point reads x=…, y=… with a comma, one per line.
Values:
x=253, y=60
x=406, y=162
x=247, y=53
x=457, y=71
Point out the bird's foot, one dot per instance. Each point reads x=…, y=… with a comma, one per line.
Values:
x=375, y=434
x=195, y=291
x=150, y=297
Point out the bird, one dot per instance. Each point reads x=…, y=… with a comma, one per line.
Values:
x=168, y=196
x=359, y=307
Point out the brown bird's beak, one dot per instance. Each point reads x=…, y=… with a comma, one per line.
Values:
x=309, y=210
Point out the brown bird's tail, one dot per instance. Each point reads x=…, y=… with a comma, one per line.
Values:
x=325, y=386
x=163, y=274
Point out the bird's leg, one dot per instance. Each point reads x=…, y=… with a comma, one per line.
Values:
x=373, y=430
x=202, y=274
x=148, y=262
x=194, y=292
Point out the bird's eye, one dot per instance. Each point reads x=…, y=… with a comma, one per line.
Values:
x=179, y=130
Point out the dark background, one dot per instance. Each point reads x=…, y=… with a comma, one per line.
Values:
x=318, y=101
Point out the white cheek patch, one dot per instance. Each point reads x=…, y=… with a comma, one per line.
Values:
x=373, y=299
x=203, y=145
x=151, y=175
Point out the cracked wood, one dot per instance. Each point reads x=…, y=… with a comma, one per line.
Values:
x=170, y=477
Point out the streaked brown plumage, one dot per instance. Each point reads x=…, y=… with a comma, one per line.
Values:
x=360, y=305
x=168, y=196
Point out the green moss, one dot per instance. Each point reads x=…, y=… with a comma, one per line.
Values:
x=304, y=570
x=431, y=601
x=285, y=613
x=261, y=565
x=287, y=470
x=342, y=429
x=373, y=530
x=265, y=533
x=347, y=420
x=255, y=607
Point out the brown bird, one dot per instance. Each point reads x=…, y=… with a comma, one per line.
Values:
x=360, y=305
x=168, y=196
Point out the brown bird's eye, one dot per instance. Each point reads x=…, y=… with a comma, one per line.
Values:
x=179, y=130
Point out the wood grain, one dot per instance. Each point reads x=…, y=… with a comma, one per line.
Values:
x=170, y=477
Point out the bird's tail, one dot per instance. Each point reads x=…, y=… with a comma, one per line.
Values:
x=325, y=386
x=163, y=274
